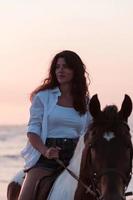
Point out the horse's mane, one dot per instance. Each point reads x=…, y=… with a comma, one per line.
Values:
x=108, y=119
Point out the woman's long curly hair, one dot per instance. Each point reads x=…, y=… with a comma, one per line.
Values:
x=79, y=83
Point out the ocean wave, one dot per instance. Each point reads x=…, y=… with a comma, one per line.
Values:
x=3, y=181
x=11, y=156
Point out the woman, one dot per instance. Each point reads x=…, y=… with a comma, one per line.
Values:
x=58, y=117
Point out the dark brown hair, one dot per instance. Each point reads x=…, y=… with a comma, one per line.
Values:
x=79, y=84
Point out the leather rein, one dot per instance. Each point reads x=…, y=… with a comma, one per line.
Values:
x=92, y=189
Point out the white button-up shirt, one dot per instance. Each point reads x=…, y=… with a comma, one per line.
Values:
x=42, y=105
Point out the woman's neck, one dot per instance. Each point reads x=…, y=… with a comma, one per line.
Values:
x=65, y=89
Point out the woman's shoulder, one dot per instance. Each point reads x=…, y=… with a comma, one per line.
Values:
x=45, y=93
x=42, y=93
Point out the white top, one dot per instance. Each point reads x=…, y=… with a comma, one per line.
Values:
x=42, y=105
x=64, y=122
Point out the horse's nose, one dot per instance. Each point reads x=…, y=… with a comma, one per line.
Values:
x=110, y=198
x=101, y=198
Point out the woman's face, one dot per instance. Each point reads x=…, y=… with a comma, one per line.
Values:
x=63, y=73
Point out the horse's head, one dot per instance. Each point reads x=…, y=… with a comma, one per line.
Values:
x=106, y=163
x=110, y=149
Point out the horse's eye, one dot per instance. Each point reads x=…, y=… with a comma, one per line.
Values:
x=91, y=145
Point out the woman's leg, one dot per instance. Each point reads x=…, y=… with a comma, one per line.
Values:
x=30, y=181
x=14, y=186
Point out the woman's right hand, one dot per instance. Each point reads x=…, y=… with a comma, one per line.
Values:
x=52, y=153
x=36, y=141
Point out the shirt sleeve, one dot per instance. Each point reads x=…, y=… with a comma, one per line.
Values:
x=36, y=116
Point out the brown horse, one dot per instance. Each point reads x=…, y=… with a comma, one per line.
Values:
x=106, y=164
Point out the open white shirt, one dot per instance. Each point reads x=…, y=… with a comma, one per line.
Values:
x=42, y=105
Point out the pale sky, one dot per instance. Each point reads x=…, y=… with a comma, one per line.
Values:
x=32, y=32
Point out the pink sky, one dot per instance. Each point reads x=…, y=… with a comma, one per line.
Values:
x=101, y=32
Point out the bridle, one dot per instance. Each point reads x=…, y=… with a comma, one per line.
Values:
x=95, y=178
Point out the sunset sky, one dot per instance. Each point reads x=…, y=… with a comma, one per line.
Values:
x=32, y=32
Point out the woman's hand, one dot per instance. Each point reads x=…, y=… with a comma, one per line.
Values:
x=36, y=141
x=52, y=152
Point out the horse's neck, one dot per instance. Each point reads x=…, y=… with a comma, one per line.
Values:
x=65, y=185
x=76, y=159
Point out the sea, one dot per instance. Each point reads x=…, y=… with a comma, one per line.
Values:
x=12, y=140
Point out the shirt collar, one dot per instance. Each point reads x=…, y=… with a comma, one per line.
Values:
x=56, y=90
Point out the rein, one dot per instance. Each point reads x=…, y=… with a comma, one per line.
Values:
x=88, y=190
x=96, y=194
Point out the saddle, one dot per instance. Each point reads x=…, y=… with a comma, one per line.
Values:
x=44, y=185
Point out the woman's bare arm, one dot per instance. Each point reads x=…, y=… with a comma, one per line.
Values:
x=37, y=143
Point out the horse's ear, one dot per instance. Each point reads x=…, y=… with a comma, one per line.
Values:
x=126, y=108
x=94, y=106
